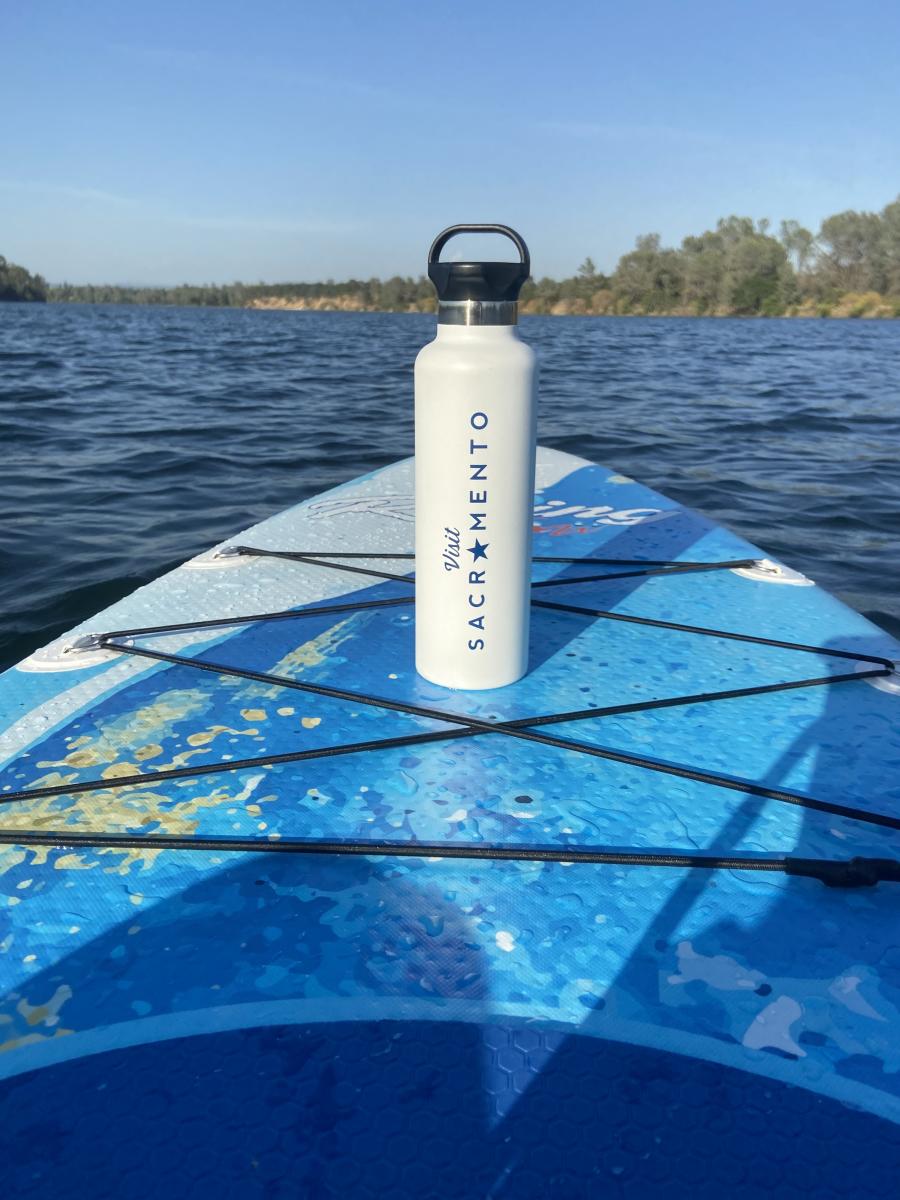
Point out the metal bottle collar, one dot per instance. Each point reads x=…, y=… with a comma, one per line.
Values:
x=478, y=312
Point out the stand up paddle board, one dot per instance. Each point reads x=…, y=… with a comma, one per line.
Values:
x=279, y=918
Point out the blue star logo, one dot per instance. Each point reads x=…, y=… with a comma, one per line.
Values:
x=479, y=550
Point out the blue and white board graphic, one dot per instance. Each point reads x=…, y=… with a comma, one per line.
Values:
x=183, y=1022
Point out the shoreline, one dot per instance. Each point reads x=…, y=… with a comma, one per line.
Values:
x=848, y=308
x=276, y=304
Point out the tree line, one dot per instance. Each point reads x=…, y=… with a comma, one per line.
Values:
x=742, y=267
x=18, y=284
x=393, y=295
x=851, y=267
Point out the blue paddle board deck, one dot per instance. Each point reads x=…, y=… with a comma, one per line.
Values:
x=226, y=1017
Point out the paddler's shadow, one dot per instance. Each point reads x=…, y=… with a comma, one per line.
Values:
x=786, y=976
x=833, y=751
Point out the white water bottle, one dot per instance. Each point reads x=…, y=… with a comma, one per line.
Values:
x=475, y=448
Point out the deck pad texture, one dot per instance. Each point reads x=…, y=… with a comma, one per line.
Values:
x=175, y=1022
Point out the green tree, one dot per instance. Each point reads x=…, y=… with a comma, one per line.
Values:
x=18, y=284
x=703, y=261
x=799, y=243
x=890, y=247
x=757, y=276
x=649, y=279
x=852, y=257
x=737, y=268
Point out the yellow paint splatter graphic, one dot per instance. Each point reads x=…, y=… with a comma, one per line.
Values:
x=143, y=726
x=153, y=750
x=119, y=770
x=10, y=858
x=30, y=1039
x=73, y=862
x=121, y=745
x=311, y=654
x=42, y=1019
x=204, y=737
x=48, y=1013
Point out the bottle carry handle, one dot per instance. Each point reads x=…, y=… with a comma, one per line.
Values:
x=443, y=238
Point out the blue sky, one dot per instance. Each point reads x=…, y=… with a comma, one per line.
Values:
x=207, y=140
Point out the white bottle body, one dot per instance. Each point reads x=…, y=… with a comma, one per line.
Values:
x=475, y=451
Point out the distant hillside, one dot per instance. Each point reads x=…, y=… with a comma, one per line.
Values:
x=18, y=284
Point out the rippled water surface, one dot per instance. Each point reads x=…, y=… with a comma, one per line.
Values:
x=132, y=438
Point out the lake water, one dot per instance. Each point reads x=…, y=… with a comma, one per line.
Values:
x=132, y=438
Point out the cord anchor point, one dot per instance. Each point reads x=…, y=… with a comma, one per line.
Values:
x=87, y=641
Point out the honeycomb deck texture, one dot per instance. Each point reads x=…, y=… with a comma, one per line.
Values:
x=176, y=1023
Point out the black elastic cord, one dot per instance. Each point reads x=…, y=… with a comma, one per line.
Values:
x=856, y=872
x=526, y=734
x=250, y=551
x=519, y=728
x=247, y=619
x=154, y=777
x=673, y=568
x=853, y=655
x=669, y=569
x=658, y=568
x=539, y=558
x=580, y=610
x=317, y=559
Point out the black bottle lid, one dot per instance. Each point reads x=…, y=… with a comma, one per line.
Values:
x=488, y=282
